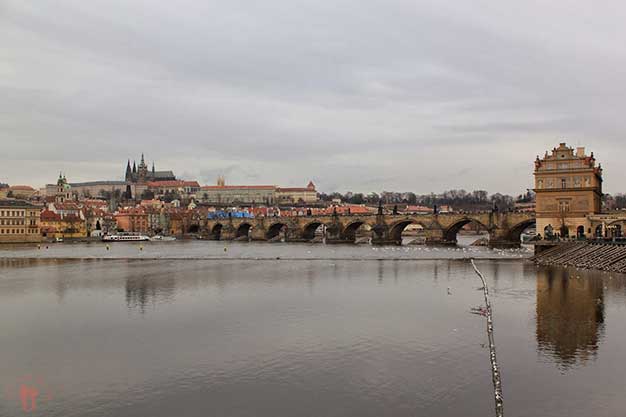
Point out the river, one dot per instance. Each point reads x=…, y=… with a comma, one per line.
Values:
x=256, y=329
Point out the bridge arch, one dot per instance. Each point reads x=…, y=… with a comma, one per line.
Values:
x=450, y=234
x=515, y=232
x=216, y=231
x=243, y=230
x=308, y=231
x=349, y=231
x=396, y=229
x=275, y=230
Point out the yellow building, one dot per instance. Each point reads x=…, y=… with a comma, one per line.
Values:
x=257, y=194
x=54, y=225
x=297, y=195
x=19, y=222
x=569, y=190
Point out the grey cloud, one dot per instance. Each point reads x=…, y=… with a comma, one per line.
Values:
x=394, y=94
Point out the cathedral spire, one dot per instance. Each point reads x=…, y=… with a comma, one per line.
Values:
x=152, y=167
x=128, y=171
x=134, y=167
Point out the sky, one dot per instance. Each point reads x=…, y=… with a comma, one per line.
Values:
x=364, y=95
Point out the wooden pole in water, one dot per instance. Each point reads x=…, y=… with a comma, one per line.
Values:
x=495, y=370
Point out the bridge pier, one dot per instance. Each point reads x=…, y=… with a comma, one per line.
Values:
x=437, y=237
x=257, y=233
x=229, y=232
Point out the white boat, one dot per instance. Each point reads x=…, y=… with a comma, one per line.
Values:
x=124, y=238
x=159, y=238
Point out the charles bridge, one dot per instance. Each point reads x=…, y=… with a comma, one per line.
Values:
x=504, y=228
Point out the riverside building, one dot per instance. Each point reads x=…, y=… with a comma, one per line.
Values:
x=19, y=222
x=257, y=194
x=568, y=187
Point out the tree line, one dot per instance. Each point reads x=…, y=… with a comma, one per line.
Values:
x=459, y=199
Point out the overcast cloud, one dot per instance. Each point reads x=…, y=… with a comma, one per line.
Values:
x=357, y=95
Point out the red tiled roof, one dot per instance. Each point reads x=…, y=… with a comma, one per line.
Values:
x=131, y=211
x=355, y=209
x=294, y=189
x=68, y=205
x=173, y=183
x=72, y=218
x=96, y=203
x=49, y=216
x=234, y=187
x=21, y=188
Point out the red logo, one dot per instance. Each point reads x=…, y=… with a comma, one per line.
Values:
x=30, y=393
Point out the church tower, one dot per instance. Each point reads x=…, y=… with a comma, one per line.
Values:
x=64, y=192
x=142, y=170
x=128, y=176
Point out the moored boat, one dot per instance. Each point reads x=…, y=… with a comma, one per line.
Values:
x=124, y=238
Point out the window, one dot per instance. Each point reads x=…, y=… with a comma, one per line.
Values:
x=563, y=183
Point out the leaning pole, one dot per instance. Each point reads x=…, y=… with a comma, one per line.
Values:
x=495, y=370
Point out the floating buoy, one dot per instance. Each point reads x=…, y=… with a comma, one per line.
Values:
x=140, y=247
x=107, y=247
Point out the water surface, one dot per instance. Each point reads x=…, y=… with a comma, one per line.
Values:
x=304, y=337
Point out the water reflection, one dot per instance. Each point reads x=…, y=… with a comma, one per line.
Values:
x=142, y=291
x=570, y=315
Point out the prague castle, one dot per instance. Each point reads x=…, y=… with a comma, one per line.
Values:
x=139, y=178
x=568, y=184
x=135, y=181
x=141, y=174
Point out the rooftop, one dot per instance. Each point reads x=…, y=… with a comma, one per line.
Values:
x=238, y=187
x=22, y=187
x=15, y=203
x=173, y=183
x=96, y=183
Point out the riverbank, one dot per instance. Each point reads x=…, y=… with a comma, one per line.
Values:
x=603, y=256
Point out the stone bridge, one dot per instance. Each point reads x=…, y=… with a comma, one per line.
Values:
x=438, y=229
